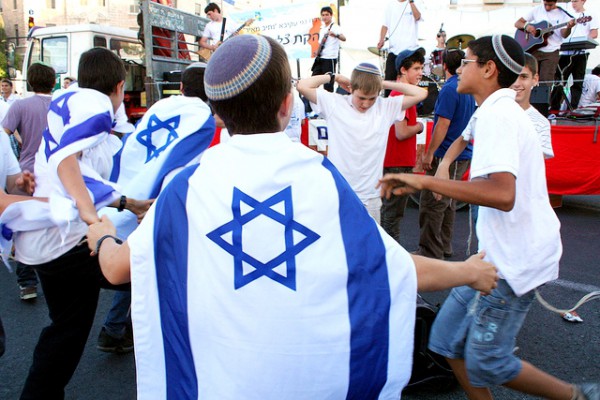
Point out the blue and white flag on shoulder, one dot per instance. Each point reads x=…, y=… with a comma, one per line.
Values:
x=79, y=122
x=173, y=133
x=260, y=275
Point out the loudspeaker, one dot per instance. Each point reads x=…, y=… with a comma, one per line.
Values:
x=540, y=99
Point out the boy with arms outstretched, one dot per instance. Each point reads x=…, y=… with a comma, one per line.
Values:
x=516, y=226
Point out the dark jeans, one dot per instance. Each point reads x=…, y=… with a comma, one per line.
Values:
x=569, y=65
x=392, y=209
x=71, y=286
x=118, y=315
x=26, y=276
x=321, y=66
x=390, y=71
x=436, y=218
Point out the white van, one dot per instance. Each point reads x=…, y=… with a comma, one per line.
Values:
x=62, y=46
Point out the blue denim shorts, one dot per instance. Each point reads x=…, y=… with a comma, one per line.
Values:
x=482, y=331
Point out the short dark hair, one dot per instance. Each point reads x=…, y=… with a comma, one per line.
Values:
x=192, y=80
x=484, y=50
x=212, y=7
x=531, y=63
x=327, y=9
x=596, y=70
x=100, y=69
x=41, y=77
x=451, y=58
x=6, y=80
x=416, y=58
x=255, y=110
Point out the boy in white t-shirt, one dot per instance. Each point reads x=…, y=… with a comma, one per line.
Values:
x=516, y=226
x=358, y=125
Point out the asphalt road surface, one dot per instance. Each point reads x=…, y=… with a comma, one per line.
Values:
x=567, y=350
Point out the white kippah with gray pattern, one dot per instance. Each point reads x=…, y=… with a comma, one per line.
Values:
x=368, y=68
x=236, y=65
x=503, y=55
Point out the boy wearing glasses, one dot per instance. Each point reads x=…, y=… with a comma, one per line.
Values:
x=516, y=227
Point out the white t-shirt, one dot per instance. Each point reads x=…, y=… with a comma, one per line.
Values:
x=332, y=44
x=403, y=30
x=554, y=17
x=542, y=127
x=8, y=164
x=591, y=88
x=524, y=243
x=212, y=31
x=581, y=30
x=357, y=141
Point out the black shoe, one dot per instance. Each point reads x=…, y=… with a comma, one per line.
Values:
x=110, y=344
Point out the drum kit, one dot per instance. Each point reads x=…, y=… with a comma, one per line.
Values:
x=433, y=66
x=433, y=71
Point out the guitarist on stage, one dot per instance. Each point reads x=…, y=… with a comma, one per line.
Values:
x=547, y=55
x=216, y=31
x=326, y=57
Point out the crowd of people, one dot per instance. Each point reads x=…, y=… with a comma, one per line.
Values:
x=247, y=265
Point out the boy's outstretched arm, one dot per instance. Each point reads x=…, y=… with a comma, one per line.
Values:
x=413, y=94
x=71, y=178
x=435, y=274
x=497, y=190
x=113, y=258
x=308, y=87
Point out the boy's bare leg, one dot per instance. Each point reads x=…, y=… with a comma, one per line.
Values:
x=460, y=371
x=539, y=383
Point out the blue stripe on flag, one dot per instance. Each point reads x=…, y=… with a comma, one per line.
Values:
x=116, y=171
x=93, y=126
x=170, y=256
x=100, y=190
x=368, y=293
x=184, y=151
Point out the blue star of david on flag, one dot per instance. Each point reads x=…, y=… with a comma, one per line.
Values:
x=236, y=247
x=60, y=107
x=155, y=125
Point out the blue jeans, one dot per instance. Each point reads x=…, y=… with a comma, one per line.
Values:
x=116, y=320
x=482, y=331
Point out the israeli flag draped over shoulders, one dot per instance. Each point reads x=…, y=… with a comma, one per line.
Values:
x=173, y=133
x=259, y=274
x=79, y=122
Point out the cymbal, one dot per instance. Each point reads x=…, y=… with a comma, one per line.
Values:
x=376, y=51
x=459, y=41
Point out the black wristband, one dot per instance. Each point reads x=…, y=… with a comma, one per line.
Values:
x=122, y=203
x=332, y=79
x=103, y=238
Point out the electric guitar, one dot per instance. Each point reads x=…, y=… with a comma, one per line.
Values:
x=205, y=53
x=543, y=29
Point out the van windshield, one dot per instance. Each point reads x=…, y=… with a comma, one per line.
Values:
x=53, y=52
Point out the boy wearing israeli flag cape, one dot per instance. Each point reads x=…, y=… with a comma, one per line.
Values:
x=259, y=274
x=173, y=133
x=72, y=166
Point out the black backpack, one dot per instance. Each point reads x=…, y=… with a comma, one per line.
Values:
x=429, y=368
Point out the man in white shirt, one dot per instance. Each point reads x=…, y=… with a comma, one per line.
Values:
x=574, y=62
x=401, y=28
x=547, y=54
x=326, y=56
x=591, y=88
x=215, y=32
